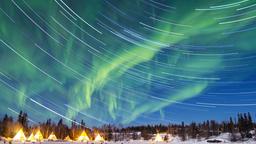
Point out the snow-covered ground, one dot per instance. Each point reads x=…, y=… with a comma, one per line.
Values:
x=191, y=141
x=139, y=142
x=224, y=138
x=177, y=140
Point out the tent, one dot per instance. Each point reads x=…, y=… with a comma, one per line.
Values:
x=83, y=137
x=38, y=136
x=67, y=138
x=52, y=137
x=158, y=138
x=31, y=138
x=20, y=136
x=98, y=138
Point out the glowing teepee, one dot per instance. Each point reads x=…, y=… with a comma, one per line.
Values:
x=52, y=137
x=31, y=138
x=158, y=138
x=20, y=136
x=67, y=138
x=38, y=136
x=98, y=138
x=83, y=137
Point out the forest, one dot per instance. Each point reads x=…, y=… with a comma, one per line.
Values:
x=240, y=128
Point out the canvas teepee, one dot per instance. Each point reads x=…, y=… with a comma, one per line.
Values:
x=20, y=136
x=67, y=138
x=52, y=137
x=158, y=138
x=99, y=138
x=38, y=136
x=83, y=137
x=31, y=138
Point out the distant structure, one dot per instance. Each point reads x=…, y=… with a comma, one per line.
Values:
x=158, y=138
x=52, y=137
x=67, y=138
x=99, y=138
x=20, y=136
x=83, y=137
x=31, y=138
x=39, y=137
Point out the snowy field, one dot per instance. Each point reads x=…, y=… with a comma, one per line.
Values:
x=140, y=142
x=224, y=138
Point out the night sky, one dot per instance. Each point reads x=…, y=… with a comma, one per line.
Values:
x=127, y=62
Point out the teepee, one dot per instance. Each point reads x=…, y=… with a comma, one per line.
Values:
x=52, y=137
x=99, y=138
x=31, y=138
x=158, y=138
x=20, y=136
x=67, y=138
x=38, y=136
x=83, y=137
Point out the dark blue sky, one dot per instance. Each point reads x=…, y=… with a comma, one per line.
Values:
x=127, y=62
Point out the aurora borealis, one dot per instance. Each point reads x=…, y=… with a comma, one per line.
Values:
x=127, y=62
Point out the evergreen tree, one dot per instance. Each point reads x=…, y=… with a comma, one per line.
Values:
x=208, y=129
x=82, y=124
x=250, y=122
x=183, y=132
x=231, y=126
x=5, y=122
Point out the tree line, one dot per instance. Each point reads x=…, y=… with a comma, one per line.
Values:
x=239, y=128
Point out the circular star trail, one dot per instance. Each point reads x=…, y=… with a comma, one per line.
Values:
x=127, y=62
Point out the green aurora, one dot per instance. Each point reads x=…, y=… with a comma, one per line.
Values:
x=121, y=61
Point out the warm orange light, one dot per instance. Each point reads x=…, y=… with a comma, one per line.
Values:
x=83, y=137
x=20, y=136
x=38, y=136
x=158, y=138
x=52, y=137
x=67, y=138
x=98, y=138
x=31, y=138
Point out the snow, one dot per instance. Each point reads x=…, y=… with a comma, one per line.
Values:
x=190, y=141
x=224, y=138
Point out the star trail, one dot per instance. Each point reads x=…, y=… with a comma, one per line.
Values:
x=127, y=62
